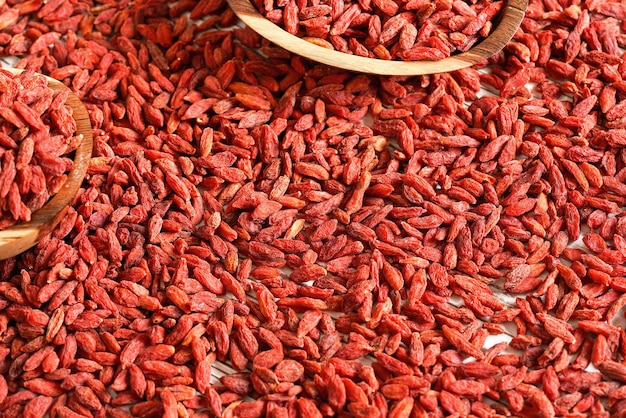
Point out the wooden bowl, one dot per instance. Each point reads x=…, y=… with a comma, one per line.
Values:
x=22, y=236
x=508, y=23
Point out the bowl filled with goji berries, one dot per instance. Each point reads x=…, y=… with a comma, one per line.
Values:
x=387, y=37
x=45, y=149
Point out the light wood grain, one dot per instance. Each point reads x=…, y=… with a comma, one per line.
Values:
x=22, y=236
x=511, y=19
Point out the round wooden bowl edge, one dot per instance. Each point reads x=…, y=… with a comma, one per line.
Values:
x=489, y=46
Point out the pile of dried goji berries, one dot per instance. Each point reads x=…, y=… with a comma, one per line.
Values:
x=338, y=243
x=37, y=131
x=409, y=30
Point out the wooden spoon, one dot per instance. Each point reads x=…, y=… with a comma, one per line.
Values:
x=21, y=236
x=511, y=18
